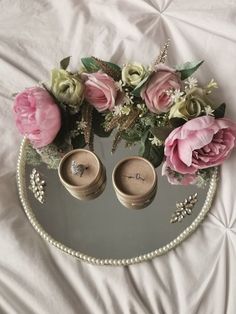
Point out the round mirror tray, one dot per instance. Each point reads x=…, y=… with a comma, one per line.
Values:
x=102, y=231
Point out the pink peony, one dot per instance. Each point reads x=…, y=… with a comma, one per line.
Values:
x=154, y=93
x=37, y=116
x=177, y=179
x=200, y=143
x=100, y=91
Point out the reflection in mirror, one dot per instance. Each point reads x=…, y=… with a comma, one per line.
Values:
x=105, y=229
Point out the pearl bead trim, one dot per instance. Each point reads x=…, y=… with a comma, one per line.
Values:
x=113, y=262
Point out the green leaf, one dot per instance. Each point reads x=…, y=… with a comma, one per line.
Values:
x=220, y=111
x=109, y=68
x=153, y=153
x=138, y=88
x=64, y=63
x=98, y=122
x=113, y=66
x=162, y=132
x=188, y=68
x=176, y=122
x=90, y=64
x=65, y=127
x=78, y=141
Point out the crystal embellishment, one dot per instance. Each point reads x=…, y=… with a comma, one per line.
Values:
x=184, y=208
x=37, y=186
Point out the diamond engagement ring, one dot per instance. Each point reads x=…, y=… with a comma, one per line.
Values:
x=77, y=169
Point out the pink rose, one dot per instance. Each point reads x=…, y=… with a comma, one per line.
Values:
x=100, y=91
x=176, y=178
x=200, y=143
x=37, y=116
x=154, y=93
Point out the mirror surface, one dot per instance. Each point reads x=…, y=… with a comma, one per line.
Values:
x=103, y=228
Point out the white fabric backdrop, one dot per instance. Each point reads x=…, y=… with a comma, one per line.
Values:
x=197, y=277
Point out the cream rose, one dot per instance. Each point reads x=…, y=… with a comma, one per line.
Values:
x=67, y=88
x=191, y=105
x=133, y=74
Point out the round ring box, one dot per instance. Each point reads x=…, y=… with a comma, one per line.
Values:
x=135, y=182
x=91, y=183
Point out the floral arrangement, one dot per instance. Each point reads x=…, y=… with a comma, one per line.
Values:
x=160, y=108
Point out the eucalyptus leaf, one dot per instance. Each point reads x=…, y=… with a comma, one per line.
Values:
x=64, y=63
x=153, y=153
x=220, y=111
x=188, y=68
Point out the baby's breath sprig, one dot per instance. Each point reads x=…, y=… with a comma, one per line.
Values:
x=208, y=111
x=155, y=141
x=175, y=95
x=210, y=86
x=120, y=84
x=79, y=128
x=161, y=120
x=191, y=82
x=143, y=109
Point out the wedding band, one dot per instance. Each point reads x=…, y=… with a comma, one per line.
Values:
x=137, y=176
